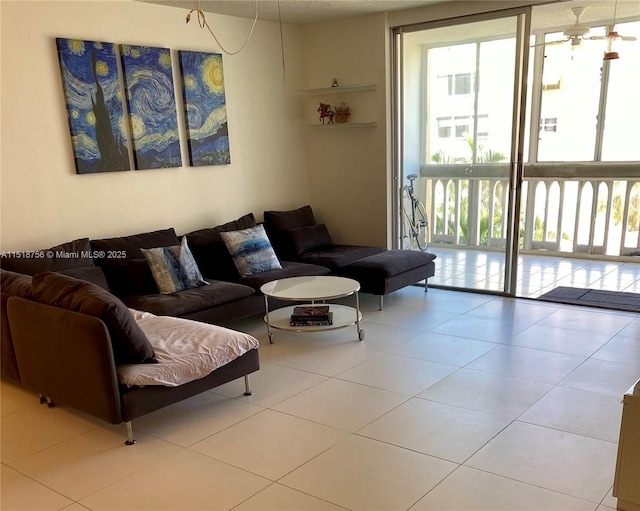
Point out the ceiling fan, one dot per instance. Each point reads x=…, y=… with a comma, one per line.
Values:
x=577, y=33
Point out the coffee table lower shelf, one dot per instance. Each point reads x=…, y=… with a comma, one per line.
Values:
x=343, y=316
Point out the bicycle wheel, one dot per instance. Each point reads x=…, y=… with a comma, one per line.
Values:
x=421, y=225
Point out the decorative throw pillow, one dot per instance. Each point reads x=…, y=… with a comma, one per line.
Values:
x=210, y=252
x=251, y=250
x=174, y=268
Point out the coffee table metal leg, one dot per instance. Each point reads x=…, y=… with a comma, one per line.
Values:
x=266, y=315
x=360, y=332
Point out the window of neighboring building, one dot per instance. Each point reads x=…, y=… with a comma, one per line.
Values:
x=588, y=109
x=549, y=124
x=467, y=118
x=457, y=84
x=584, y=86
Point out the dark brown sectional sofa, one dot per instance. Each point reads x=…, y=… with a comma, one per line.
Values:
x=43, y=345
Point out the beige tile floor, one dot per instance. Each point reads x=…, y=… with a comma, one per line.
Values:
x=453, y=401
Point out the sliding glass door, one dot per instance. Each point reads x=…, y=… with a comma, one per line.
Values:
x=458, y=123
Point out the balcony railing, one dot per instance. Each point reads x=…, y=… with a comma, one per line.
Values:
x=566, y=208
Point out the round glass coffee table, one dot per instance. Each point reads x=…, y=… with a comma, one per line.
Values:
x=309, y=291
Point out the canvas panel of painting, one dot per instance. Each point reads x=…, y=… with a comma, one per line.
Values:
x=152, y=107
x=205, y=108
x=94, y=105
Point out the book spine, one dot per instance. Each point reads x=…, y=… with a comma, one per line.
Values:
x=310, y=323
x=323, y=317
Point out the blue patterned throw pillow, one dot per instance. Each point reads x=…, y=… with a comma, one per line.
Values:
x=251, y=250
x=174, y=268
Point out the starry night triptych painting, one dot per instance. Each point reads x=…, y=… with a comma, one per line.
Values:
x=104, y=134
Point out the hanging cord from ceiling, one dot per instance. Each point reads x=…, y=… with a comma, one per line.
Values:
x=284, y=72
x=202, y=21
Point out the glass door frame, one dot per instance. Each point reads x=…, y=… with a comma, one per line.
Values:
x=516, y=156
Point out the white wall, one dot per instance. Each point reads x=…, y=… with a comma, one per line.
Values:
x=348, y=168
x=44, y=201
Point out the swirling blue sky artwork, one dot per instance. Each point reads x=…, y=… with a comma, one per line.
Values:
x=152, y=107
x=205, y=108
x=94, y=105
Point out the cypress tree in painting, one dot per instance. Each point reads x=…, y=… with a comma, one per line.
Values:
x=113, y=155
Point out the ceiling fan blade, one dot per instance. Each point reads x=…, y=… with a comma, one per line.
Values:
x=551, y=43
x=628, y=38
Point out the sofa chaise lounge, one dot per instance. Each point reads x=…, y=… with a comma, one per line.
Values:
x=75, y=343
x=297, y=237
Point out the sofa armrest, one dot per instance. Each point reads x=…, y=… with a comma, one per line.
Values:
x=66, y=356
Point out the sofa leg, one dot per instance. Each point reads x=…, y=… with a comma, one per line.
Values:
x=380, y=302
x=426, y=285
x=247, y=387
x=130, y=439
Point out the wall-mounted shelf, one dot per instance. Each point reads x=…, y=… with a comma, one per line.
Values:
x=340, y=89
x=371, y=124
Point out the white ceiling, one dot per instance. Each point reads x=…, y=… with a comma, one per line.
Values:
x=297, y=11
x=556, y=14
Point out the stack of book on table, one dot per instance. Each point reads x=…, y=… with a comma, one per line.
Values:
x=311, y=315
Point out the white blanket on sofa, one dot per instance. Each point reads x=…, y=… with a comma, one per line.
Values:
x=186, y=350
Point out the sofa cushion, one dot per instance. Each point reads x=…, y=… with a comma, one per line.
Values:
x=281, y=220
x=211, y=253
x=277, y=221
x=211, y=235
x=129, y=247
x=74, y=254
x=189, y=300
x=131, y=277
x=339, y=256
x=114, y=256
x=11, y=284
x=251, y=250
x=15, y=284
x=130, y=345
x=388, y=264
x=289, y=269
x=308, y=238
x=174, y=268
x=93, y=274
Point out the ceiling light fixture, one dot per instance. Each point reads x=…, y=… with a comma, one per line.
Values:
x=202, y=21
x=613, y=38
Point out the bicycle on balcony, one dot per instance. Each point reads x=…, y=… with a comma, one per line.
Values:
x=415, y=232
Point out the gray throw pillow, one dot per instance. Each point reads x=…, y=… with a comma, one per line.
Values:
x=174, y=268
x=251, y=251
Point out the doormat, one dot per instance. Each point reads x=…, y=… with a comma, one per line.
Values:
x=594, y=298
